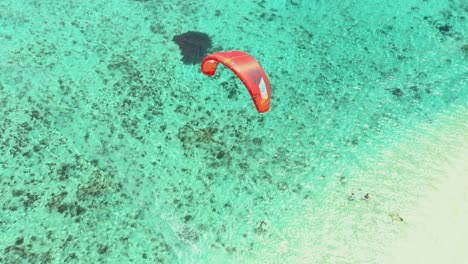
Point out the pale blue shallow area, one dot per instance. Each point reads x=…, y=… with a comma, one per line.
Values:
x=114, y=151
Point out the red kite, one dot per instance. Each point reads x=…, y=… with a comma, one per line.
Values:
x=247, y=69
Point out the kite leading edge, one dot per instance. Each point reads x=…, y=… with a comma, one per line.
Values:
x=247, y=69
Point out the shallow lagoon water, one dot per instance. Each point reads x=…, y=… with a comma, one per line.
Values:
x=113, y=150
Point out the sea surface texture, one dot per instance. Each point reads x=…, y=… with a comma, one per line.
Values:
x=113, y=150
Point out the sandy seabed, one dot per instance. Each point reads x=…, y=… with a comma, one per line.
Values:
x=437, y=230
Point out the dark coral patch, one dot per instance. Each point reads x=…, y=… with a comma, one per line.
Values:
x=193, y=45
x=444, y=29
x=397, y=92
x=464, y=48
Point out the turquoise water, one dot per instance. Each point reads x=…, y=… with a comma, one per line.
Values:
x=114, y=151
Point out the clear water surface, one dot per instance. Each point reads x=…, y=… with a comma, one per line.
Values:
x=114, y=151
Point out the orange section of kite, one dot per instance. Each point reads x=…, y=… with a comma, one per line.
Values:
x=249, y=72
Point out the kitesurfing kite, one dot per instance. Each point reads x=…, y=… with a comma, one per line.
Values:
x=247, y=69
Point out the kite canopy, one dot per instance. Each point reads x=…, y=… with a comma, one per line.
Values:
x=247, y=69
